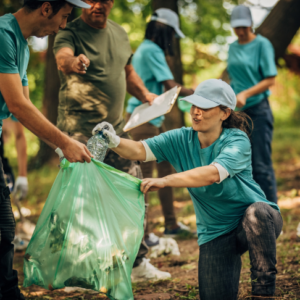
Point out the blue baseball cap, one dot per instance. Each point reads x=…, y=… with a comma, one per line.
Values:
x=241, y=17
x=212, y=93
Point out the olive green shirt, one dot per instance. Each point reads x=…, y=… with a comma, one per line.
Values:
x=99, y=95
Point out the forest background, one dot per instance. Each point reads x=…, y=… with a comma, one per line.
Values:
x=201, y=55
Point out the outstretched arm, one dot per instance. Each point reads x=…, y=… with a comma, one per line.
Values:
x=132, y=150
x=198, y=177
x=68, y=63
x=12, y=91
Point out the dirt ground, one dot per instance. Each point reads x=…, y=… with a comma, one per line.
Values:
x=183, y=269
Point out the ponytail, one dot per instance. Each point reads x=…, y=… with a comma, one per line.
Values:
x=239, y=120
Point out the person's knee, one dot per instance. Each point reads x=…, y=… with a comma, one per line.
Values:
x=256, y=214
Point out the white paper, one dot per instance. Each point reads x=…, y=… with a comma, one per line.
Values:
x=145, y=113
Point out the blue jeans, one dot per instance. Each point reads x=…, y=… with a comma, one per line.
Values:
x=261, y=140
x=220, y=259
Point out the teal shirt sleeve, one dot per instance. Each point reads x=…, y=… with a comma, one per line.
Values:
x=267, y=60
x=25, y=80
x=163, y=146
x=158, y=65
x=235, y=156
x=7, y=54
x=14, y=118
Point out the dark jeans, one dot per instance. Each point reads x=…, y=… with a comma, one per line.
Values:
x=261, y=140
x=220, y=259
x=130, y=167
x=166, y=198
x=8, y=277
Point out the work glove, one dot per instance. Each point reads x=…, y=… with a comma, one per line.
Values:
x=109, y=133
x=103, y=126
x=59, y=152
x=21, y=187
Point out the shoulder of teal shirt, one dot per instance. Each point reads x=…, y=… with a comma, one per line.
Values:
x=148, y=44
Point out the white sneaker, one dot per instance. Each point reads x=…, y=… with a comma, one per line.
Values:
x=145, y=271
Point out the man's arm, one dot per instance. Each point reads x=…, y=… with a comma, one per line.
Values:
x=68, y=63
x=169, y=84
x=136, y=87
x=12, y=91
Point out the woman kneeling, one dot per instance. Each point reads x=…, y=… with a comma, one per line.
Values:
x=213, y=160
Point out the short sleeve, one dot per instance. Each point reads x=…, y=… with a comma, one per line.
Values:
x=8, y=54
x=267, y=60
x=14, y=118
x=158, y=66
x=163, y=146
x=63, y=39
x=235, y=156
x=25, y=80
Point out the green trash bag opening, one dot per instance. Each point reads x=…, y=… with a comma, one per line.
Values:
x=89, y=231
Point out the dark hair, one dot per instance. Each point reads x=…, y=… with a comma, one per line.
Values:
x=239, y=120
x=32, y=5
x=161, y=34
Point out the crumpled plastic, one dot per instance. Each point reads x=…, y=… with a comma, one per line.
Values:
x=166, y=246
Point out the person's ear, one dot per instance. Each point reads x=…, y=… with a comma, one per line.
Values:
x=226, y=114
x=46, y=9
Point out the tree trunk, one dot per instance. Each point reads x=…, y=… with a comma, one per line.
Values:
x=50, y=104
x=281, y=25
x=175, y=118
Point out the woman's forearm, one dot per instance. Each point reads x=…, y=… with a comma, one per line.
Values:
x=198, y=177
x=132, y=150
x=260, y=87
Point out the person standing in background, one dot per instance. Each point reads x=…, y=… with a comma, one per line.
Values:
x=252, y=71
x=20, y=186
x=150, y=63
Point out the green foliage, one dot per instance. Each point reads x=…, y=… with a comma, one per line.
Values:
x=201, y=21
x=35, y=75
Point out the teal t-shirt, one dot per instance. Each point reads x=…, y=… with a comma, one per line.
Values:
x=249, y=64
x=218, y=207
x=14, y=55
x=150, y=63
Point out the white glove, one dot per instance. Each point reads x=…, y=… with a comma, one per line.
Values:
x=21, y=187
x=103, y=126
x=113, y=139
x=60, y=154
x=166, y=246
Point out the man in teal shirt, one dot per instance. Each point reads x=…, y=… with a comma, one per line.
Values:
x=36, y=18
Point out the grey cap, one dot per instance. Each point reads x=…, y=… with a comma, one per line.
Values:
x=241, y=17
x=168, y=17
x=77, y=3
x=212, y=93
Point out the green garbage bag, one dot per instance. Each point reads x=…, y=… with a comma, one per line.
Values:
x=89, y=231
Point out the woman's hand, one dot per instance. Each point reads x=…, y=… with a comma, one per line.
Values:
x=241, y=99
x=152, y=184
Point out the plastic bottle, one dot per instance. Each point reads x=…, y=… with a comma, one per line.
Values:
x=98, y=145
